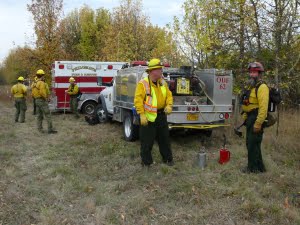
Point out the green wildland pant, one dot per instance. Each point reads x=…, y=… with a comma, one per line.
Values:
x=43, y=110
x=21, y=107
x=34, y=106
x=74, y=106
x=158, y=130
x=253, y=143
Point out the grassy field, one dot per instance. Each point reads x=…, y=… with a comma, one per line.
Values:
x=90, y=175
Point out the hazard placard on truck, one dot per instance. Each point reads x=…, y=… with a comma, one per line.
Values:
x=91, y=78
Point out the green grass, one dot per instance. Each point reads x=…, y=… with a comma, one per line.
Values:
x=90, y=175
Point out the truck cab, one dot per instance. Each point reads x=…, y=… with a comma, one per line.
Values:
x=104, y=109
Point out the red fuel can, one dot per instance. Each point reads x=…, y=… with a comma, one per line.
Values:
x=224, y=155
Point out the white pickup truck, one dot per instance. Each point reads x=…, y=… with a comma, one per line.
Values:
x=202, y=98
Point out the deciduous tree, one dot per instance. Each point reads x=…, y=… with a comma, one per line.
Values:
x=46, y=15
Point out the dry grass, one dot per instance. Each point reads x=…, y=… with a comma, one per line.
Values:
x=90, y=175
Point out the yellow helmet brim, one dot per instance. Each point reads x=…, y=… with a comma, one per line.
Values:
x=153, y=68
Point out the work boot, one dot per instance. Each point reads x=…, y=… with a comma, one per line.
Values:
x=169, y=163
x=52, y=131
x=145, y=165
x=245, y=170
x=41, y=131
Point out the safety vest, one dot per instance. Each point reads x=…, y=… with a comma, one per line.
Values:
x=150, y=102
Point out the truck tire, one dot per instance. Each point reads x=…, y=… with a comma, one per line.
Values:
x=88, y=107
x=101, y=114
x=130, y=131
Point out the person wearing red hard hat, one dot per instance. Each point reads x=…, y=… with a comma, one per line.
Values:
x=255, y=108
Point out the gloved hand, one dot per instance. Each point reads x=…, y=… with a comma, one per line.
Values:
x=256, y=128
x=143, y=118
x=168, y=110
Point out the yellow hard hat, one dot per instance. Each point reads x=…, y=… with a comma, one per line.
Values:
x=21, y=78
x=71, y=79
x=40, y=72
x=154, y=64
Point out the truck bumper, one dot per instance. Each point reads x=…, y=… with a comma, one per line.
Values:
x=196, y=126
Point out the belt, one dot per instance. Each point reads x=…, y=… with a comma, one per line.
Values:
x=159, y=111
x=253, y=111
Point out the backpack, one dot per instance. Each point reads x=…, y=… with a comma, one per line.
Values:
x=274, y=97
x=274, y=100
x=91, y=119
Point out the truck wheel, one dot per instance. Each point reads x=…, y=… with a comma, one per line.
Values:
x=88, y=107
x=101, y=114
x=131, y=131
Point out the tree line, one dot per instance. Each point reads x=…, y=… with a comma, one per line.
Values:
x=231, y=33
x=85, y=34
x=211, y=34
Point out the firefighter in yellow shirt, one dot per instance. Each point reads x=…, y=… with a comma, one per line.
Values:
x=153, y=102
x=41, y=94
x=33, y=99
x=73, y=92
x=255, y=108
x=19, y=92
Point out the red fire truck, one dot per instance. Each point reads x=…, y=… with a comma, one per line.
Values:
x=91, y=78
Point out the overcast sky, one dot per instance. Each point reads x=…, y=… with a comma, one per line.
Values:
x=16, y=24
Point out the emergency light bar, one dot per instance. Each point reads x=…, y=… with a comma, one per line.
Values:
x=145, y=63
x=139, y=63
